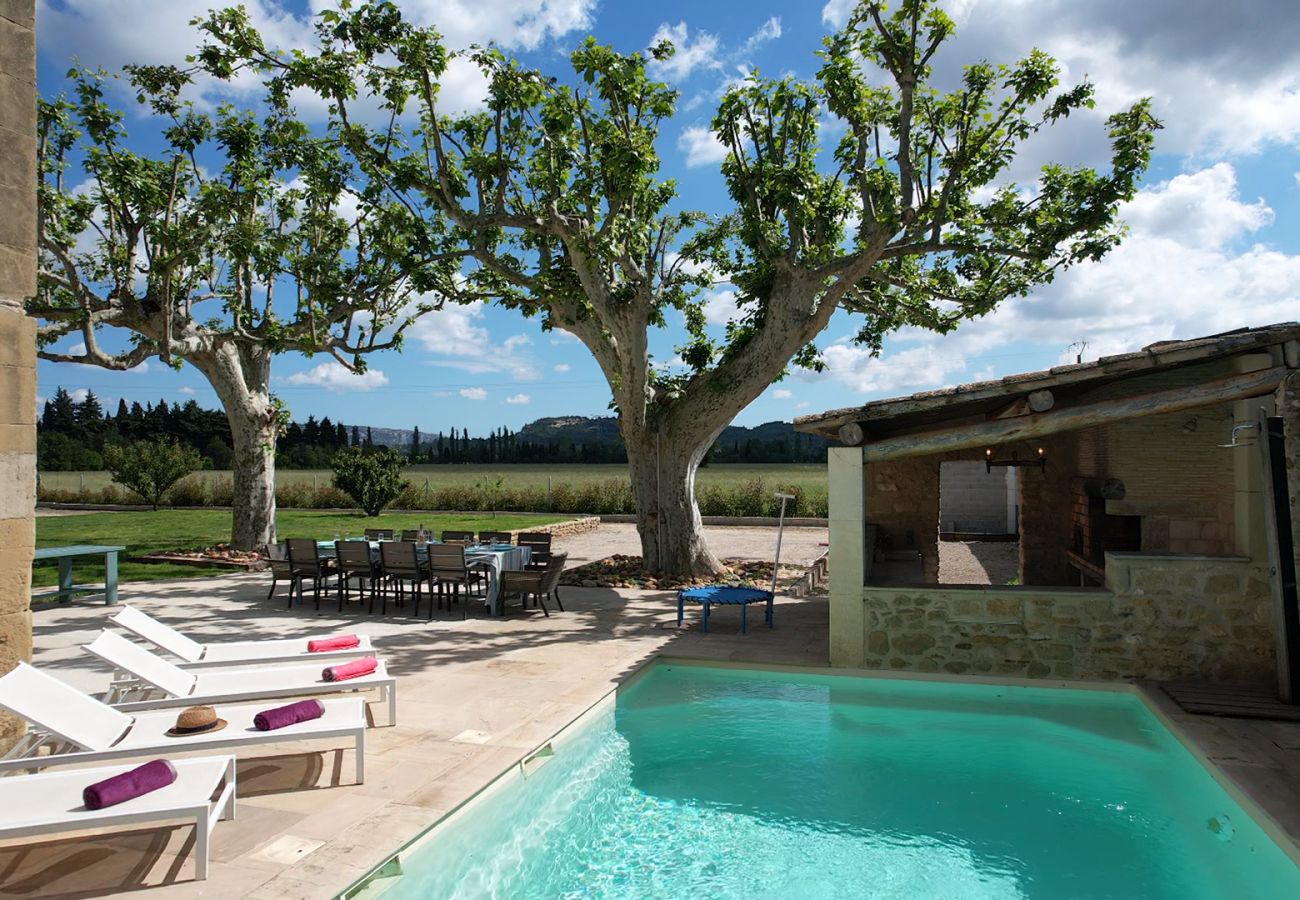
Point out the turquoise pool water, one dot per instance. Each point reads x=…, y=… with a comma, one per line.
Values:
x=711, y=783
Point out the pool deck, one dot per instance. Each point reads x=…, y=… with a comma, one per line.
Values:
x=474, y=697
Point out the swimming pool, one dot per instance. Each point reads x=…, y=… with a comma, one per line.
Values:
x=712, y=782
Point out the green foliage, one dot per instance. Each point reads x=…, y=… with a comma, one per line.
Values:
x=554, y=191
x=150, y=468
x=371, y=476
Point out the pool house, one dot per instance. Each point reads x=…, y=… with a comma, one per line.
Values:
x=1150, y=494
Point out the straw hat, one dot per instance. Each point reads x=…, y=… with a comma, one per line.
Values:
x=196, y=720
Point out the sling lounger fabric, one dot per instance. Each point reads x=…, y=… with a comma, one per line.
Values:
x=50, y=803
x=81, y=729
x=232, y=685
x=227, y=653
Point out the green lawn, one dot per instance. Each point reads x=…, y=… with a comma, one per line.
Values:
x=807, y=475
x=184, y=529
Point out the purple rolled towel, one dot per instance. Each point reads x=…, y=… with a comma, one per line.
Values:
x=281, y=716
x=128, y=785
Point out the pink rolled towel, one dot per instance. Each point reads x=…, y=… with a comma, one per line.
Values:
x=338, y=642
x=282, y=716
x=354, y=669
x=128, y=785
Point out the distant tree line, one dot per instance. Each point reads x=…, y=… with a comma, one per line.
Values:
x=505, y=446
x=73, y=435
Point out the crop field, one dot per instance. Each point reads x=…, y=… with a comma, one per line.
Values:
x=809, y=476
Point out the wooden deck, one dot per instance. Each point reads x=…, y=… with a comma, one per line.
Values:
x=1243, y=701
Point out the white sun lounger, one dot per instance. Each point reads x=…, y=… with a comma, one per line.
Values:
x=233, y=685
x=77, y=728
x=50, y=802
x=227, y=653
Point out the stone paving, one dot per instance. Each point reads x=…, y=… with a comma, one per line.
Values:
x=474, y=697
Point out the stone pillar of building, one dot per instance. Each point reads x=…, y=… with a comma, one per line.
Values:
x=17, y=334
x=847, y=563
x=1288, y=407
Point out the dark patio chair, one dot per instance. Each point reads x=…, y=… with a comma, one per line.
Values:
x=539, y=585
x=412, y=534
x=495, y=537
x=354, y=561
x=463, y=536
x=306, y=563
x=278, y=559
x=379, y=534
x=539, y=542
x=401, y=563
x=448, y=568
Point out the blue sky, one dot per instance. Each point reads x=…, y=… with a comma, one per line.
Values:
x=1213, y=241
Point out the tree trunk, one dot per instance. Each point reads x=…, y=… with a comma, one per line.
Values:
x=253, y=463
x=241, y=377
x=667, y=517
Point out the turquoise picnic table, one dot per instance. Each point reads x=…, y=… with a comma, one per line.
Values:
x=65, y=556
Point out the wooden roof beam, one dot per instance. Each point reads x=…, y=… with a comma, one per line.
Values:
x=1073, y=418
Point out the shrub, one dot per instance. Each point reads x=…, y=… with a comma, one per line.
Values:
x=371, y=476
x=189, y=492
x=150, y=468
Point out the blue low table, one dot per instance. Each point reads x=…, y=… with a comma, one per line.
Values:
x=65, y=555
x=725, y=596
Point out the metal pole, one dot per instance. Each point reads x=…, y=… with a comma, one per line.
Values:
x=780, y=528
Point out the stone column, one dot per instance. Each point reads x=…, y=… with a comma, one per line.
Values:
x=847, y=539
x=17, y=334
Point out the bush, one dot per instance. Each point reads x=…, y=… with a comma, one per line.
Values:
x=189, y=492
x=371, y=476
x=150, y=468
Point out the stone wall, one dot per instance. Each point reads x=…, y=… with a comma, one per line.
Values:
x=17, y=333
x=1161, y=618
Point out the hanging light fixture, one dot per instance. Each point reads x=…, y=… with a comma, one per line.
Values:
x=1014, y=461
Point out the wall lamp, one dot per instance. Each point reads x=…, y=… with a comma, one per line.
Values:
x=1014, y=461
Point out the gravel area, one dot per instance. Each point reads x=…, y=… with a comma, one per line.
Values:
x=978, y=562
x=799, y=546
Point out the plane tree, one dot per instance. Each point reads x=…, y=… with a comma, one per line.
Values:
x=220, y=239
x=554, y=191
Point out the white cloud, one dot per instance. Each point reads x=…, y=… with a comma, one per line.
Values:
x=334, y=376
x=782, y=394
x=78, y=395
x=768, y=31
x=702, y=53
x=701, y=146
x=720, y=307
x=188, y=391
x=455, y=337
x=562, y=367
x=473, y=393
x=519, y=399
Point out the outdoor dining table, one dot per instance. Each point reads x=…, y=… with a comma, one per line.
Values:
x=497, y=557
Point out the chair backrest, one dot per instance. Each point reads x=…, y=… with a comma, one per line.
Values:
x=379, y=534
x=353, y=556
x=554, y=569
x=145, y=626
x=496, y=537
x=277, y=558
x=150, y=668
x=536, y=539
x=303, y=552
x=447, y=561
x=410, y=534
x=458, y=535
x=399, y=558
x=61, y=709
